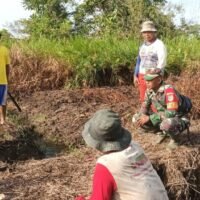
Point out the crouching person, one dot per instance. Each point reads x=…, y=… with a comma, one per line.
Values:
x=123, y=172
x=164, y=109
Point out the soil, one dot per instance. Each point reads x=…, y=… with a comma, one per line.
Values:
x=43, y=156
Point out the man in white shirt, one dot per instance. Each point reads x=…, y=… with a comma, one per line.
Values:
x=152, y=54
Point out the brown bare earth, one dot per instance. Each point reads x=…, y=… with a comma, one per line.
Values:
x=42, y=154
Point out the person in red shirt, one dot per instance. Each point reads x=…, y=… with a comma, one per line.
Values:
x=123, y=172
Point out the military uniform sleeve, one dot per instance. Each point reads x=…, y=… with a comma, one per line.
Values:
x=172, y=103
x=155, y=118
x=146, y=104
x=169, y=110
x=171, y=107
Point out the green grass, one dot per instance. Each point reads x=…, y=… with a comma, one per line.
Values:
x=181, y=51
x=87, y=55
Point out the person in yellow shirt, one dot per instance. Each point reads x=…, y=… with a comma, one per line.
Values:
x=4, y=76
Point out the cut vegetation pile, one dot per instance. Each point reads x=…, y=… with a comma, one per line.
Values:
x=59, y=116
x=179, y=169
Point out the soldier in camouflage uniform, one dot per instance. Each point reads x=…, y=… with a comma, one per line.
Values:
x=161, y=110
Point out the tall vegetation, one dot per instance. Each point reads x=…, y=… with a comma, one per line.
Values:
x=62, y=18
x=50, y=18
x=124, y=16
x=92, y=36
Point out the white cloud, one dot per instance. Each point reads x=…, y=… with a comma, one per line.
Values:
x=10, y=11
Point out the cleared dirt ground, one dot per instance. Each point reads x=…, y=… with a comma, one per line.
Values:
x=42, y=154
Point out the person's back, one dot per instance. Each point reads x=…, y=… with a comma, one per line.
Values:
x=3, y=62
x=123, y=172
x=133, y=174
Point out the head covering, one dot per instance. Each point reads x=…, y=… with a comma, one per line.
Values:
x=105, y=133
x=152, y=73
x=148, y=26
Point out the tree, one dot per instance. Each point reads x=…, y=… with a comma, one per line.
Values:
x=124, y=16
x=61, y=18
x=50, y=18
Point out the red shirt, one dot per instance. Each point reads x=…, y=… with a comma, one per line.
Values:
x=103, y=184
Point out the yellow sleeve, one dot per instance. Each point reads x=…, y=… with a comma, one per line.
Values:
x=7, y=56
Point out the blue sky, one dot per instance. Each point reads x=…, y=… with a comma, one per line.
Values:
x=12, y=10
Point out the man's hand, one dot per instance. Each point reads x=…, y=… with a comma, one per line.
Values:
x=142, y=120
x=135, y=81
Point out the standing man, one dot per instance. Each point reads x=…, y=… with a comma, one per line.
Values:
x=123, y=171
x=152, y=54
x=4, y=75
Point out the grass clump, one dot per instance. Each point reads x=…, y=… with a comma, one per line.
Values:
x=90, y=61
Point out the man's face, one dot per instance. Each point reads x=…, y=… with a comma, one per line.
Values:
x=154, y=84
x=149, y=36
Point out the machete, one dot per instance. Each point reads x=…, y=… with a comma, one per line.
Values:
x=13, y=100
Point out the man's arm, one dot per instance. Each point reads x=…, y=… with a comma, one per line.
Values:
x=103, y=184
x=136, y=71
x=7, y=71
x=172, y=105
x=172, y=102
x=162, y=57
x=146, y=104
x=144, y=110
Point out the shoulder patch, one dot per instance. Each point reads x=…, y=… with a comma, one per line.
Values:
x=172, y=106
x=172, y=101
x=170, y=97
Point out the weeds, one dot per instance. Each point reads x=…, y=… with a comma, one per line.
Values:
x=80, y=61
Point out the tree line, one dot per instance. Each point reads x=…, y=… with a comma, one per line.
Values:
x=65, y=18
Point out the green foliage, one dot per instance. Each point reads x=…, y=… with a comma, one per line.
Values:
x=85, y=55
x=61, y=18
x=50, y=19
x=49, y=7
x=121, y=16
x=6, y=38
x=181, y=51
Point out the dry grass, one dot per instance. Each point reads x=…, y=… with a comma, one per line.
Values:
x=32, y=73
x=179, y=169
x=188, y=83
x=68, y=176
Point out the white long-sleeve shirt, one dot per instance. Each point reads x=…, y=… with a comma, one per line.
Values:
x=152, y=55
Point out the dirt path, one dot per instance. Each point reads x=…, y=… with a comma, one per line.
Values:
x=58, y=116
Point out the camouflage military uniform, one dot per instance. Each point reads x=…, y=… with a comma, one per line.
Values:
x=164, y=111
